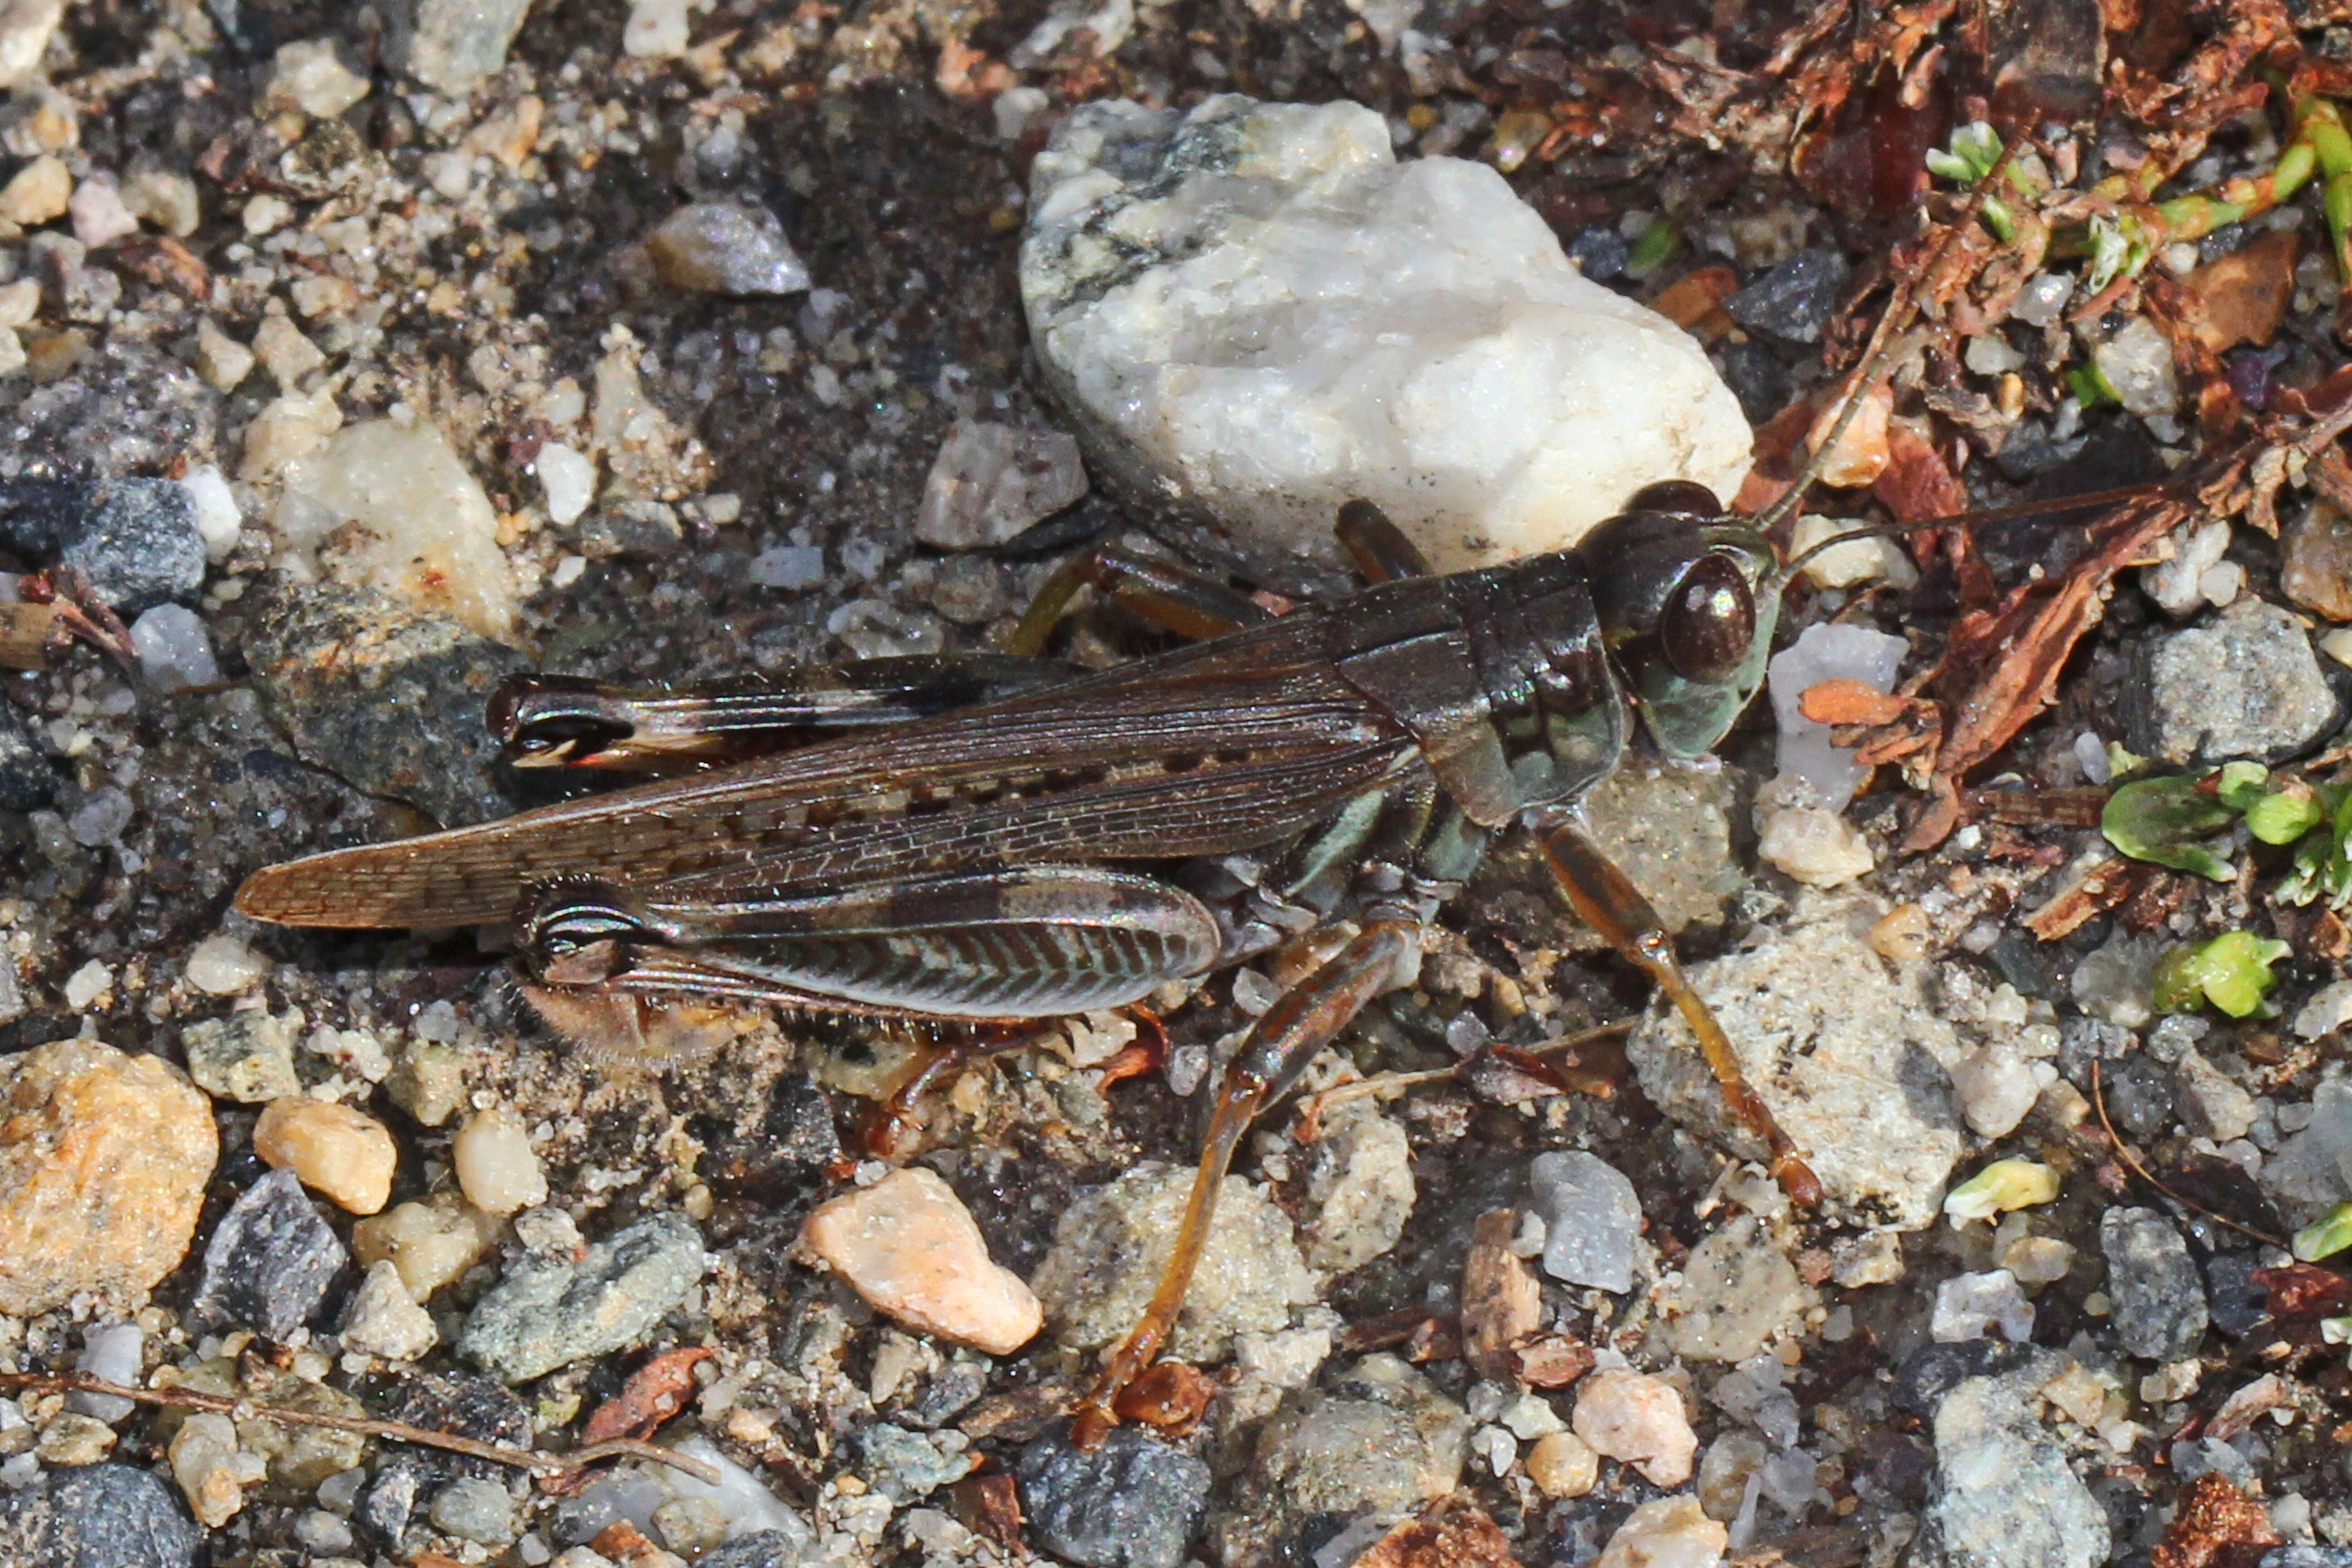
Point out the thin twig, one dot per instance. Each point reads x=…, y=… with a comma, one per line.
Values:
x=1311, y=1108
x=2123, y=1151
x=533, y=1460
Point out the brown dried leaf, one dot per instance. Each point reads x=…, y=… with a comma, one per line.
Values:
x=1850, y=702
x=1918, y=485
x=2215, y=1525
x=1502, y=1303
x=27, y=634
x=990, y=1506
x=1694, y=301
x=160, y=260
x=654, y=1392
x=2243, y=297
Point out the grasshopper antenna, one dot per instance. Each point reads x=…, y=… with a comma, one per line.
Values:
x=1879, y=351
x=1971, y=518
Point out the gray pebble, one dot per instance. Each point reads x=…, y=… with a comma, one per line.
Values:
x=1591, y=1218
x=96, y=1515
x=1133, y=1503
x=1793, y=300
x=2005, y=1496
x=2159, y=1301
x=2246, y=684
x=270, y=1260
x=545, y=1314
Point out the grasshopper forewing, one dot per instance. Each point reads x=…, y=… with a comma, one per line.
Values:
x=1008, y=860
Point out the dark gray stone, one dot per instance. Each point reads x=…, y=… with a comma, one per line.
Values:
x=384, y=697
x=270, y=1261
x=70, y=285
x=2246, y=684
x=726, y=247
x=28, y=782
x=1133, y=1503
x=2307, y=1557
x=546, y=1313
x=1793, y=300
x=2159, y=1301
x=1933, y=1371
x=96, y=1515
x=630, y=528
x=2236, y=1300
x=471, y=1408
x=1601, y=253
x=2139, y=1096
x=134, y=540
x=761, y=1549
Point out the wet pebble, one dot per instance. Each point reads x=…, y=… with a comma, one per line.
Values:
x=1591, y=1218
x=338, y=1152
x=1638, y=1419
x=103, y=1160
x=1793, y=300
x=726, y=247
x=474, y=1509
x=547, y=1313
x=1110, y=1245
x=270, y=1260
x=2160, y=1300
x=97, y=1514
x=909, y=1248
x=2246, y=684
x=1380, y=1437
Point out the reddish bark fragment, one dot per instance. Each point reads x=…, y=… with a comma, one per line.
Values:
x=654, y=1392
x=1849, y=702
x=1446, y=1534
x=2214, y=1526
x=2304, y=1293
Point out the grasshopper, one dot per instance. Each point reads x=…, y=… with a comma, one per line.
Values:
x=997, y=844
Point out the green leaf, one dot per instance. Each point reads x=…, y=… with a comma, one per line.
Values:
x=2325, y=1236
x=2110, y=252
x=2240, y=784
x=2285, y=815
x=1949, y=165
x=2003, y=1185
x=2231, y=971
x=2165, y=821
x=1657, y=243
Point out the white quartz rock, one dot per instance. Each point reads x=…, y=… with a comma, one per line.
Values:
x=393, y=507
x=1254, y=313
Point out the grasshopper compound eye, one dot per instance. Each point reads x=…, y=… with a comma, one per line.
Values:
x=1684, y=497
x=1708, y=621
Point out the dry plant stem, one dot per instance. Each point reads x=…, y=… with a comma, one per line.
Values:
x=1388, y=1085
x=532, y=1459
x=2123, y=1152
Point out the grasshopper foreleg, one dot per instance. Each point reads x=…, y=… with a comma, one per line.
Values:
x=1605, y=899
x=1301, y=1022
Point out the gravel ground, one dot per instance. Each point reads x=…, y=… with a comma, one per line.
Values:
x=298, y=290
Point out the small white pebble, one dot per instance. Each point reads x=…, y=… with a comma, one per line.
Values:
x=87, y=984
x=497, y=1170
x=218, y=517
x=222, y=966
x=569, y=481
x=175, y=649
x=265, y=213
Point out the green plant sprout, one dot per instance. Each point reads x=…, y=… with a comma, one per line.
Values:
x=2231, y=971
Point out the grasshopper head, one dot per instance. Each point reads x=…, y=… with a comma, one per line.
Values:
x=1687, y=600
